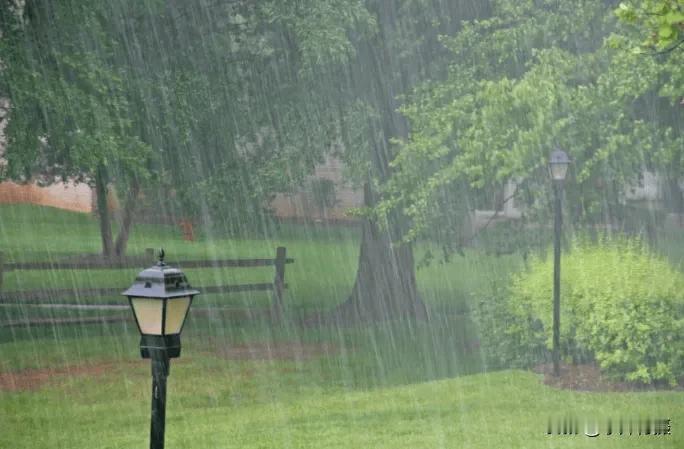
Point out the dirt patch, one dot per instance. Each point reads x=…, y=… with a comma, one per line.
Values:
x=588, y=377
x=275, y=351
x=32, y=379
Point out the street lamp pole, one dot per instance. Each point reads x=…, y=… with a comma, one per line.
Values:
x=160, y=371
x=558, y=168
x=557, y=225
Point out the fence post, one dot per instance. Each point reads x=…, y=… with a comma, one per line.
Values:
x=279, y=282
x=2, y=267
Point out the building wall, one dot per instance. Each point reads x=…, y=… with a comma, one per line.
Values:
x=301, y=205
x=649, y=188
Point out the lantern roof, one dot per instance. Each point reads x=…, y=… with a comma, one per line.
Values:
x=559, y=156
x=160, y=281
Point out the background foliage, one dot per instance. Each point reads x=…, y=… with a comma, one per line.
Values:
x=533, y=76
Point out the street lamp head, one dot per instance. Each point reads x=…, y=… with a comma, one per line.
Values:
x=160, y=299
x=558, y=165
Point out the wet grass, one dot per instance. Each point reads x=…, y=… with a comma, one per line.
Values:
x=387, y=385
x=228, y=407
x=19, y=312
x=381, y=386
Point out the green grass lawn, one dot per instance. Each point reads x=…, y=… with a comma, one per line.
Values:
x=375, y=387
x=387, y=385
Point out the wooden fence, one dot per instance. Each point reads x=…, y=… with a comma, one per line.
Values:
x=49, y=295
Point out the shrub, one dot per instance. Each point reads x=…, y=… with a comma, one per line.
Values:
x=620, y=304
x=507, y=339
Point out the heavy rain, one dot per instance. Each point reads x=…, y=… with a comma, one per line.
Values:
x=381, y=224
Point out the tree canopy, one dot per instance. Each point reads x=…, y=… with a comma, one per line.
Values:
x=534, y=76
x=213, y=106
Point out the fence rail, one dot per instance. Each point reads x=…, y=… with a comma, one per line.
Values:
x=45, y=295
x=140, y=263
x=50, y=295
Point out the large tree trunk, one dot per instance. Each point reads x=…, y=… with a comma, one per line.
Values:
x=101, y=190
x=385, y=286
x=676, y=199
x=127, y=219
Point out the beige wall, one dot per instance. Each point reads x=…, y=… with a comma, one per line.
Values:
x=300, y=205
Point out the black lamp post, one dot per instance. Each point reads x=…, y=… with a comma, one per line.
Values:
x=558, y=168
x=160, y=298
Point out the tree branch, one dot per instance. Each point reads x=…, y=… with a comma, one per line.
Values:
x=493, y=217
x=667, y=50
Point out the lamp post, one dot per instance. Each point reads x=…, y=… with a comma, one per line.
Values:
x=558, y=168
x=160, y=298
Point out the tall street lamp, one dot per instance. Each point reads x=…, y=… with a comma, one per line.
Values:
x=558, y=169
x=160, y=298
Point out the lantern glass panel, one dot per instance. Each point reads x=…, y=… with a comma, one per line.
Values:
x=148, y=312
x=176, y=309
x=558, y=171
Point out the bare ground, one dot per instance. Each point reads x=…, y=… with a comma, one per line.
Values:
x=35, y=378
x=32, y=379
x=587, y=377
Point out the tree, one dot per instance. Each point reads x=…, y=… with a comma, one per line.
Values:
x=241, y=96
x=655, y=31
x=231, y=99
x=302, y=78
x=404, y=51
x=71, y=115
x=538, y=77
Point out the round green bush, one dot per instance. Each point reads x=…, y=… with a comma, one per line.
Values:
x=621, y=304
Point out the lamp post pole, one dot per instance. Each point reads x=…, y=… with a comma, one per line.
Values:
x=160, y=371
x=557, y=224
x=558, y=169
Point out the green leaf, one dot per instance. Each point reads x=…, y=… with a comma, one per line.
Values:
x=674, y=17
x=665, y=31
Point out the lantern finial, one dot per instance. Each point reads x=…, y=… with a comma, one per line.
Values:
x=161, y=257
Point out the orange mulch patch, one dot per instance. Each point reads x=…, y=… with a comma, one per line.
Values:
x=588, y=377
